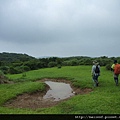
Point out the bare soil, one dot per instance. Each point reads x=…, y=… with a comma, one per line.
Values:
x=5, y=81
x=35, y=100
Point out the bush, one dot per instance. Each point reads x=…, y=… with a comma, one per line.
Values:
x=52, y=64
x=1, y=74
x=4, y=69
x=108, y=66
x=59, y=66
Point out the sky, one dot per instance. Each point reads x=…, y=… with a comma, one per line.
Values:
x=60, y=28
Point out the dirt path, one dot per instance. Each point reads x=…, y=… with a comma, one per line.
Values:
x=35, y=100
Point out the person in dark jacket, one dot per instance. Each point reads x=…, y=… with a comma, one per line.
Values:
x=95, y=72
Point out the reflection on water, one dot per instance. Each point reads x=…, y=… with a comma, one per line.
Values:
x=58, y=90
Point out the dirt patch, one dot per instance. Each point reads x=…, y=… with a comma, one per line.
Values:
x=4, y=80
x=35, y=100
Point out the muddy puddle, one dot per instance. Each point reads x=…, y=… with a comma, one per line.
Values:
x=58, y=91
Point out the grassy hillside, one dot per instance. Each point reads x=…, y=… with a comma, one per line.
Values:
x=104, y=99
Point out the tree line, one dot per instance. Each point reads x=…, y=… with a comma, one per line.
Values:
x=14, y=63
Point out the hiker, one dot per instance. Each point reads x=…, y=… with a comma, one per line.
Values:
x=116, y=71
x=95, y=72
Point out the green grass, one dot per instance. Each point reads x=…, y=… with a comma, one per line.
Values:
x=104, y=99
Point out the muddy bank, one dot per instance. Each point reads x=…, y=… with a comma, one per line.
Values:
x=5, y=81
x=36, y=100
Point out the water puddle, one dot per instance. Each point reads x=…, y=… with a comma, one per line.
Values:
x=58, y=91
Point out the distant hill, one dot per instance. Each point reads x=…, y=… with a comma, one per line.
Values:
x=15, y=63
x=15, y=57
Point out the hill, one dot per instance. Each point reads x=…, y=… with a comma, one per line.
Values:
x=13, y=63
x=13, y=57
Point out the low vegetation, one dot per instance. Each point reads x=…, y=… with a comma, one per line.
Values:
x=104, y=99
x=13, y=63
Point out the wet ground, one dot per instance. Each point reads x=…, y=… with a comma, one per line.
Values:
x=56, y=92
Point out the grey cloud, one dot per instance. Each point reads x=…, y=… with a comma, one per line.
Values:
x=57, y=22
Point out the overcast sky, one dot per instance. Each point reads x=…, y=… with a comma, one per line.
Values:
x=60, y=27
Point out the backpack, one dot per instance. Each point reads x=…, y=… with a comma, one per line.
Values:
x=97, y=70
x=117, y=69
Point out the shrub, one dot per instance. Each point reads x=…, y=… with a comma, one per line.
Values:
x=59, y=66
x=1, y=73
x=108, y=66
x=4, y=69
x=52, y=64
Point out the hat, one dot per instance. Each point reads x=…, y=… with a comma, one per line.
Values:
x=95, y=62
x=115, y=61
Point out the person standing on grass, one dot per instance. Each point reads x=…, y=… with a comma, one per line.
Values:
x=116, y=71
x=95, y=72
